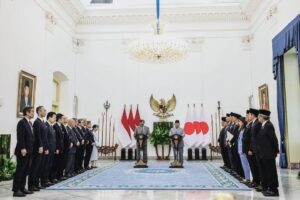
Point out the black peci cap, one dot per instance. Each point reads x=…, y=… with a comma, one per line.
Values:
x=265, y=112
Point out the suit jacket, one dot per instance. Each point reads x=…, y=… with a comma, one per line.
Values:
x=221, y=138
x=178, y=131
x=89, y=136
x=73, y=139
x=267, y=142
x=247, y=138
x=41, y=131
x=25, y=137
x=66, y=138
x=142, y=130
x=51, y=137
x=256, y=125
x=59, y=137
x=79, y=134
x=235, y=132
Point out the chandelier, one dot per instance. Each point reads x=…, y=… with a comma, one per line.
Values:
x=158, y=48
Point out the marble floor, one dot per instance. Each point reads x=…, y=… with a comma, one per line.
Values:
x=289, y=190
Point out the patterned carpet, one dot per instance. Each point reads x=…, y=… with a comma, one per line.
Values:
x=122, y=176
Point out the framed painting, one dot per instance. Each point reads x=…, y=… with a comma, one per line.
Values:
x=26, y=92
x=263, y=93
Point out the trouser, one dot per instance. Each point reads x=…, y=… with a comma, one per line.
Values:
x=33, y=179
x=70, y=164
x=254, y=169
x=57, y=167
x=260, y=171
x=88, y=153
x=269, y=173
x=237, y=162
x=22, y=170
x=225, y=157
x=144, y=150
x=229, y=153
x=79, y=158
x=178, y=155
x=245, y=165
x=48, y=162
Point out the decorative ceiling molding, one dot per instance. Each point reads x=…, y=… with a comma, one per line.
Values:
x=193, y=14
x=168, y=17
x=51, y=21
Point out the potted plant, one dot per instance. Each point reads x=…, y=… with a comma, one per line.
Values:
x=160, y=136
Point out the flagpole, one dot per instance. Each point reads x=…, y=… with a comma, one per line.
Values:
x=216, y=122
x=212, y=129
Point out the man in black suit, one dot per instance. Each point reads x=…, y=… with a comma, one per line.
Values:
x=89, y=138
x=58, y=166
x=66, y=143
x=51, y=118
x=23, y=152
x=252, y=153
x=74, y=144
x=40, y=132
x=222, y=142
x=267, y=149
x=80, y=151
x=236, y=160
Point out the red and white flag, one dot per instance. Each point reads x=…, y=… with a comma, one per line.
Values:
x=189, y=129
x=205, y=129
x=124, y=135
x=132, y=126
x=137, y=117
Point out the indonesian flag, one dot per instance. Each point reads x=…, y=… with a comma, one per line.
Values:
x=189, y=129
x=137, y=117
x=132, y=126
x=124, y=136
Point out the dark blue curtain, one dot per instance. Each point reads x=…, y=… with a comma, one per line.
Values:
x=289, y=37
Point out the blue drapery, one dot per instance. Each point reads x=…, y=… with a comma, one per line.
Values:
x=289, y=37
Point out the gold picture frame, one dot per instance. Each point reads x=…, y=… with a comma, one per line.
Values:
x=26, y=91
x=263, y=93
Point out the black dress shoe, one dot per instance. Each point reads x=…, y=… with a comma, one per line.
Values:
x=19, y=193
x=33, y=189
x=27, y=191
x=41, y=187
x=260, y=189
x=269, y=193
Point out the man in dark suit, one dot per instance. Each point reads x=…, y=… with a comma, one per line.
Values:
x=252, y=153
x=51, y=118
x=222, y=142
x=66, y=143
x=80, y=151
x=23, y=151
x=58, y=166
x=40, y=133
x=267, y=149
x=236, y=161
x=89, y=138
x=74, y=144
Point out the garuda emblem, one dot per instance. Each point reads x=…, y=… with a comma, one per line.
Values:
x=162, y=108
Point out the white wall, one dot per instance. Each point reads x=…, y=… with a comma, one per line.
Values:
x=27, y=45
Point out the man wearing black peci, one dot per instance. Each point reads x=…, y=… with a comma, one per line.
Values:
x=252, y=154
x=222, y=142
x=73, y=145
x=58, y=164
x=23, y=152
x=40, y=133
x=267, y=149
x=66, y=143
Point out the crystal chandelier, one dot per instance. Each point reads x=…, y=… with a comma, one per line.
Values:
x=158, y=48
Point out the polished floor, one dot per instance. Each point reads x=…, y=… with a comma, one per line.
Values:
x=289, y=190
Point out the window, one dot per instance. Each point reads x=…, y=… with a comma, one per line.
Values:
x=56, y=95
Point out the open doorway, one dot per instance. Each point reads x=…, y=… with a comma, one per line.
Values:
x=292, y=107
